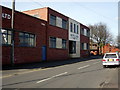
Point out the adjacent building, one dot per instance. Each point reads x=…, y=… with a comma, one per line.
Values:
x=57, y=32
x=42, y=34
x=74, y=38
x=85, y=41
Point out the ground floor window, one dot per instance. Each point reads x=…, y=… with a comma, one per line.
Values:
x=6, y=36
x=27, y=39
x=72, y=47
x=64, y=43
x=52, y=42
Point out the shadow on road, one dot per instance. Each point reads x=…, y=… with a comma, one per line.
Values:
x=48, y=64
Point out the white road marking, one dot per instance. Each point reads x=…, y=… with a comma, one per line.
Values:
x=84, y=67
x=52, y=77
x=95, y=62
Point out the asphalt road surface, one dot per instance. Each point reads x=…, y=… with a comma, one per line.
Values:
x=85, y=74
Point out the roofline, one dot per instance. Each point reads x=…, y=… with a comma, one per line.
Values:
x=22, y=13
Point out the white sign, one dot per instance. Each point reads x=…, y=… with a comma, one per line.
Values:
x=74, y=37
x=6, y=16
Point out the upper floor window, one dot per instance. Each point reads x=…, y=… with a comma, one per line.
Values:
x=6, y=36
x=64, y=43
x=74, y=28
x=52, y=20
x=88, y=32
x=52, y=42
x=82, y=31
x=77, y=29
x=64, y=24
x=27, y=39
x=71, y=27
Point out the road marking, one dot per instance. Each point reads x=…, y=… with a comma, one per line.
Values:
x=84, y=67
x=52, y=77
x=95, y=62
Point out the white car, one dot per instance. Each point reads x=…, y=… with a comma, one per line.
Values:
x=111, y=59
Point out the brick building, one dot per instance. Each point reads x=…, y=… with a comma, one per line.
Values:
x=109, y=48
x=72, y=27
x=57, y=32
x=43, y=34
x=30, y=37
x=85, y=41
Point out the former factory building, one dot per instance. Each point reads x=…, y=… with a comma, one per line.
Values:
x=30, y=38
x=42, y=34
x=57, y=32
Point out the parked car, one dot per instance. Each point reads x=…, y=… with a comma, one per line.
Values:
x=111, y=59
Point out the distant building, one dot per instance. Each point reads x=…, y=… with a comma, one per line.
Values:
x=109, y=48
x=94, y=50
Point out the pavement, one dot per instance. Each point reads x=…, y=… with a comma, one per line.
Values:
x=22, y=68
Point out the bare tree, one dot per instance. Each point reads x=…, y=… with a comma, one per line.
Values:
x=100, y=34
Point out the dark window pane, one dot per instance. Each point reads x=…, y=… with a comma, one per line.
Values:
x=64, y=24
x=53, y=20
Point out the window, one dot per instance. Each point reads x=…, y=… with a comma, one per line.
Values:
x=82, y=31
x=87, y=46
x=6, y=36
x=82, y=46
x=71, y=27
x=72, y=47
x=64, y=43
x=111, y=56
x=88, y=33
x=53, y=20
x=77, y=29
x=64, y=24
x=27, y=39
x=52, y=42
x=74, y=28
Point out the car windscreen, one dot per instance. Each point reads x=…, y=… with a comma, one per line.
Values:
x=111, y=56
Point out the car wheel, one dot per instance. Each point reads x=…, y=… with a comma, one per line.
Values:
x=104, y=66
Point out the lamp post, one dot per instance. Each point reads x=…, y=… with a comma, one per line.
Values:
x=12, y=38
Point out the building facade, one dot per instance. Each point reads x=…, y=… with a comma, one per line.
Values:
x=85, y=41
x=57, y=32
x=30, y=37
x=74, y=38
x=42, y=34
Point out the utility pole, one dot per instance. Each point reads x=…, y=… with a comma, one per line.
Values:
x=12, y=27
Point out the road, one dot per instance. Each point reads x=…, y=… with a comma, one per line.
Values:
x=85, y=74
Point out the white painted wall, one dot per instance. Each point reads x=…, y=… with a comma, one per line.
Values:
x=75, y=37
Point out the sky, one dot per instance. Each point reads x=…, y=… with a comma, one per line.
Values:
x=85, y=12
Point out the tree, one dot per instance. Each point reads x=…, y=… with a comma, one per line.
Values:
x=100, y=34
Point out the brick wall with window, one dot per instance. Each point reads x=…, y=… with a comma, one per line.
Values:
x=85, y=50
x=30, y=36
x=57, y=27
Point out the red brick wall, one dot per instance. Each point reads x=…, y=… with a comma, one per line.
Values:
x=57, y=54
x=25, y=23
x=84, y=39
x=108, y=48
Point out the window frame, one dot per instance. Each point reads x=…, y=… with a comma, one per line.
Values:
x=52, y=42
x=64, y=22
x=52, y=19
x=27, y=39
x=64, y=44
x=8, y=35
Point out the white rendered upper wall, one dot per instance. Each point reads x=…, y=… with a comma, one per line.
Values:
x=74, y=30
